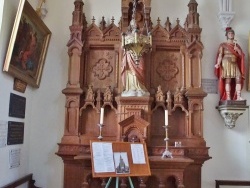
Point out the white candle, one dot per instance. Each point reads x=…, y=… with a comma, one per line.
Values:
x=166, y=117
x=101, y=116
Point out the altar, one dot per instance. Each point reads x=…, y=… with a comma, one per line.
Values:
x=173, y=83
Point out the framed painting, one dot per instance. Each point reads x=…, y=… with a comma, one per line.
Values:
x=28, y=46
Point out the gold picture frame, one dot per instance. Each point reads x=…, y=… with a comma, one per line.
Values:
x=28, y=46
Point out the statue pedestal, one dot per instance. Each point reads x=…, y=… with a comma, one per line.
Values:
x=225, y=18
x=230, y=111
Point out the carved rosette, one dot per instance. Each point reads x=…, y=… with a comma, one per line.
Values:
x=167, y=70
x=102, y=69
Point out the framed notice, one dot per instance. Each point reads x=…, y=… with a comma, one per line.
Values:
x=17, y=106
x=14, y=158
x=119, y=159
x=15, y=133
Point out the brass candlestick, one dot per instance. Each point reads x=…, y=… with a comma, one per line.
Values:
x=166, y=153
x=101, y=124
x=100, y=137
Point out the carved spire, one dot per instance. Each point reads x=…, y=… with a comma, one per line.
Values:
x=73, y=89
x=93, y=20
x=112, y=20
x=103, y=24
x=169, y=100
x=192, y=22
x=150, y=24
x=158, y=21
x=193, y=16
x=84, y=21
x=168, y=25
x=77, y=25
x=77, y=13
x=75, y=42
x=178, y=21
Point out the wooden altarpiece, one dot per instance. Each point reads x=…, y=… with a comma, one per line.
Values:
x=94, y=81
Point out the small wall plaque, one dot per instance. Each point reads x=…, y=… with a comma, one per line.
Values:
x=14, y=159
x=19, y=85
x=17, y=106
x=15, y=133
x=210, y=85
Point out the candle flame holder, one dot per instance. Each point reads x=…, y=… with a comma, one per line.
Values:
x=135, y=40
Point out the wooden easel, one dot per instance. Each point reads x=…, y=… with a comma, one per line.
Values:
x=136, y=169
x=117, y=182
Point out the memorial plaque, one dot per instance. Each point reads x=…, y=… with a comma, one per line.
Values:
x=210, y=85
x=19, y=85
x=15, y=133
x=17, y=106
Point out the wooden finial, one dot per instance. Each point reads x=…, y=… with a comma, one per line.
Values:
x=93, y=19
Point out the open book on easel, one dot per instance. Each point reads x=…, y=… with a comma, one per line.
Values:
x=119, y=159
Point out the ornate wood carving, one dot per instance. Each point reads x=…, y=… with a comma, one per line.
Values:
x=173, y=70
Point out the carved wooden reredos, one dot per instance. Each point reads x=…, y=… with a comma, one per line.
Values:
x=94, y=81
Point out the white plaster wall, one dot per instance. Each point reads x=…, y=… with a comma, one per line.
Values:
x=7, y=16
x=229, y=147
x=44, y=122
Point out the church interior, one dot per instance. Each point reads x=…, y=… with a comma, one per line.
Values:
x=143, y=72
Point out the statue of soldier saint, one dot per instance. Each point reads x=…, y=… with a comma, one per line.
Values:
x=230, y=68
